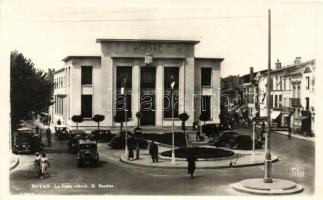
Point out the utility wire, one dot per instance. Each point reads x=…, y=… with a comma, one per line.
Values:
x=152, y=19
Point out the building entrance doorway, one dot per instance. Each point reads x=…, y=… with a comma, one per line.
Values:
x=147, y=95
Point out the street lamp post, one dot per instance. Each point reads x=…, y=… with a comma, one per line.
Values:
x=268, y=185
x=123, y=91
x=268, y=162
x=172, y=84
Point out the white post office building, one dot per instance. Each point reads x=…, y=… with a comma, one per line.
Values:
x=136, y=75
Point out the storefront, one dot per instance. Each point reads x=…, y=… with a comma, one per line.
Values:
x=137, y=75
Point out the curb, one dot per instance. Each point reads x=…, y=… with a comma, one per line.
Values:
x=295, y=136
x=15, y=163
x=268, y=190
x=197, y=167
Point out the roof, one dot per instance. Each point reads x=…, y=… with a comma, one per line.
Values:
x=205, y=58
x=77, y=132
x=87, y=142
x=58, y=71
x=99, y=40
x=70, y=57
x=25, y=129
x=291, y=67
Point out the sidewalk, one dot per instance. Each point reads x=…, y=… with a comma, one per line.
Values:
x=240, y=159
x=312, y=139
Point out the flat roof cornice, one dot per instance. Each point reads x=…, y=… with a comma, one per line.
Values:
x=147, y=40
x=202, y=58
x=70, y=57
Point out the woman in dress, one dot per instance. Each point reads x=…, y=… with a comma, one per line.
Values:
x=44, y=163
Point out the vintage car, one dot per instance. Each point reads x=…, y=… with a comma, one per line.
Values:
x=61, y=132
x=100, y=135
x=74, y=137
x=25, y=140
x=213, y=130
x=233, y=140
x=87, y=153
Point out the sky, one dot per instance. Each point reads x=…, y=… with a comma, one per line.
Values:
x=47, y=31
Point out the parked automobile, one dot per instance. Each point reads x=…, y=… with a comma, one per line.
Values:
x=233, y=140
x=214, y=129
x=118, y=141
x=100, y=135
x=26, y=141
x=61, y=133
x=74, y=137
x=87, y=153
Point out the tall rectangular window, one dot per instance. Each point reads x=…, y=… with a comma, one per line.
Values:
x=86, y=75
x=271, y=101
x=86, y=106
x=307, y=99
x=307, y=83
x=280, y=101
x=124, y=73
x=206, y=74
x=206, y=106
x=276, y=101
x=171, y=74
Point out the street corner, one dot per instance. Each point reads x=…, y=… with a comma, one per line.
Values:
x=13, y=162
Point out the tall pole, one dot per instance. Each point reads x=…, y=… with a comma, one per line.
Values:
x=173, y=138
x=125, y=119
x=268, y=162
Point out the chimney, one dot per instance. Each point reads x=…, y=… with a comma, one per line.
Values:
x=278, y=64
x=251, y=74
x=298, y=60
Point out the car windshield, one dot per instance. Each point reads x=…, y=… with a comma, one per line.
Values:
x=88, y=147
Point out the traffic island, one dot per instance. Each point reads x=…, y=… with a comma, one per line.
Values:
x=240, y=159
x=259, y=187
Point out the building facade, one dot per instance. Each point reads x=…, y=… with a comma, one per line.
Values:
x=293, y=95
x=136, y=75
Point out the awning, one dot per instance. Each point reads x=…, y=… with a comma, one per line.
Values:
x=301, y=118
x=275, y=114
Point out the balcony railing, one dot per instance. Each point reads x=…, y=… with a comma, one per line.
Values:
x=295, y=102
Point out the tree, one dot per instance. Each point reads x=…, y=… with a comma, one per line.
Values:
x=98, y=119
x=139, y=116
x=183, y=117
x=77, y=119
x=31, y=93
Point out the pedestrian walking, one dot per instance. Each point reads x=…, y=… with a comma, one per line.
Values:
x=49, y=137
x=191, y=159
x=289, y=133
x=153, y=151
x=45, y=165
x=236, y=116
x=37, y=167
x=198, y=133
x=130, y=143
